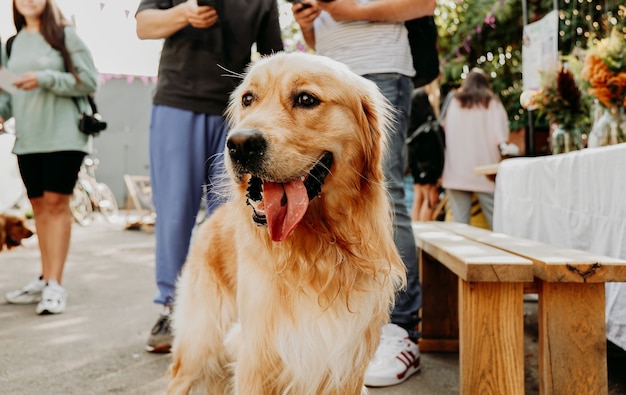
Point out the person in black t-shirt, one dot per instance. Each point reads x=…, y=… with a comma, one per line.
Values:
x=206, y=48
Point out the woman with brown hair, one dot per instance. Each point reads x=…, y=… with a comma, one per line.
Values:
x=54, y=66
x=475, y=124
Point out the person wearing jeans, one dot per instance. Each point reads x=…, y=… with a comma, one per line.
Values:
x=397, y=89
x=343, y=30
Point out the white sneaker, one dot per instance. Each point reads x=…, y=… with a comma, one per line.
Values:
x=53, y=299
x=396, y=359
x=30, y=293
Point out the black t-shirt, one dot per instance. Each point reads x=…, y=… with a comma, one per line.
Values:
x=198, y=67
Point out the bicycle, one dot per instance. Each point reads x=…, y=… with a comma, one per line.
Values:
x=92, y=196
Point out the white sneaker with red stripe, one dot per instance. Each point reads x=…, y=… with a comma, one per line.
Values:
x=396, y=359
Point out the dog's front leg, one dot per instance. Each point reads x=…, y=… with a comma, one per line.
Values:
x=255, y=378
x=200, y=361
x=203, y=314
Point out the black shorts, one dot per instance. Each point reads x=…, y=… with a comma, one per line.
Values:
x=50, y=171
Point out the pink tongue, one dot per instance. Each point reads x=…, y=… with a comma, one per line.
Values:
x=285, y=205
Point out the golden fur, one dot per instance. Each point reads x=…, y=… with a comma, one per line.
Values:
x=300, y=316
x=13, y=230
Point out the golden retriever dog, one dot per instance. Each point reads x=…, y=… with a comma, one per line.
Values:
x=286, y=286
x=13, y=230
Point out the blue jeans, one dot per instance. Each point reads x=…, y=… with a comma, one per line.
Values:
x=397, y=89
x=186, y=157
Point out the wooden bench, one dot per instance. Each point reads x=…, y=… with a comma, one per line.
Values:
x=473, y=293
x=486, y=312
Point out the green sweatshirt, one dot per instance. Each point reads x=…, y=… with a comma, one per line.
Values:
x=46, y=118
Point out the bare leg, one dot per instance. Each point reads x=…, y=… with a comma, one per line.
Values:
x=433, y=200
x=53, y=221
x=425, y=201
x=418, y=201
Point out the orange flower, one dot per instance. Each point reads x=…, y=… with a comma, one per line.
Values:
x=605, y=72
x=603, y=95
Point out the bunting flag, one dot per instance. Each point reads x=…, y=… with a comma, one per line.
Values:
x=146, y=80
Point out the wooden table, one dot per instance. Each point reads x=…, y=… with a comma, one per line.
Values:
x=490, y=171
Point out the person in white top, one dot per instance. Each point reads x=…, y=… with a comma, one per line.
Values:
x=475, y=123
x=371, y=38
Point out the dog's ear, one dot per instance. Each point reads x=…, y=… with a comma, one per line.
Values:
x=375, y=121
x=3, y=231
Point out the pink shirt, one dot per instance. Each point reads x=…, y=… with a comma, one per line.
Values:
x=472, y=139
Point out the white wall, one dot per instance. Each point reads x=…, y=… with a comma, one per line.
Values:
x=123, y=147
x=108, y=29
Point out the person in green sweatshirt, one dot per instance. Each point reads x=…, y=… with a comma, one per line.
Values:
x=53, y=65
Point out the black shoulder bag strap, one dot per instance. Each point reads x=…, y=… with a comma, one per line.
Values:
x=92, y=104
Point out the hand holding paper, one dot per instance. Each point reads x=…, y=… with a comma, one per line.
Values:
x=7, y=78
x=27, y=82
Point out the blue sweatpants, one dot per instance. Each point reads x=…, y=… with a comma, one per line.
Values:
x=186, y=157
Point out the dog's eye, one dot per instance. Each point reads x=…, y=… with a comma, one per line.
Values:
x=305, y=100
x=247, y=99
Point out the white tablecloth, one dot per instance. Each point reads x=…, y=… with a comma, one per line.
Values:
x=574, y=200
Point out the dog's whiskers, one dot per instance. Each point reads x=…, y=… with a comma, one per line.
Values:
x=367, y=179
x=219, y=187
x=230, y=73
x=321, y=181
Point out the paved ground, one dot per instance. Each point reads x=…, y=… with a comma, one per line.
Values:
x=97, y=345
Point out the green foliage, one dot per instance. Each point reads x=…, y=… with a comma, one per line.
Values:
x=487, y=34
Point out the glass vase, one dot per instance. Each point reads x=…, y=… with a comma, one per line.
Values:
x=563, y=140
x=618, y=126
x=609, y=128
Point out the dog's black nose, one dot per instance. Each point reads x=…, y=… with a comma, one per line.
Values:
x=246, y=147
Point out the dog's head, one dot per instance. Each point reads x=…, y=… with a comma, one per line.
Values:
x=14, y=230
x=304, y=126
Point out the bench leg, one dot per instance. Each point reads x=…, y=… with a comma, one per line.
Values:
x=440, y=320
x=572, y=339
x=491, y=355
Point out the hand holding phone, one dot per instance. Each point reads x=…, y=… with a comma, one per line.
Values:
x=304, y=5
x=210, y=3
x=202, y=14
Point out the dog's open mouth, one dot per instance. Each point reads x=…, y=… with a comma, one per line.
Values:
x=11, y=242
x=281, y=205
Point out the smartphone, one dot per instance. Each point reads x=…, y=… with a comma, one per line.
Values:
x=210, y=3
x=304, y=5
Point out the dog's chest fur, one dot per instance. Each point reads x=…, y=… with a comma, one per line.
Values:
x=305, y=333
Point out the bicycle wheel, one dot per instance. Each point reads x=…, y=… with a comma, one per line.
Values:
x=107, y=203
x=80, y=206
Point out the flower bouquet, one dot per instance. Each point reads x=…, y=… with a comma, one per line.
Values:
x=560, y=100
x=604, y=71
